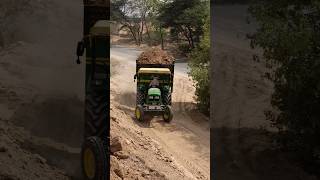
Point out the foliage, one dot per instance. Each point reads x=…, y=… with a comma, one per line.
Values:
x=184, y=48
x=158, y=33
x=200, y=69
x=154, y=17
x=289, y=34
x=134, y=15
x=185, y=18
x=223, y=2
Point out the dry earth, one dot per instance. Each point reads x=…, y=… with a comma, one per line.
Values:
x=41, y=96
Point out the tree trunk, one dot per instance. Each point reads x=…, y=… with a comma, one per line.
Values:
x=134, y=35
x=147, y=29
x=185, y=33
x=138, y=36
x=161, y=34
x=191, y=37
x=128, y=26
x=188, y=38
x=141, y=32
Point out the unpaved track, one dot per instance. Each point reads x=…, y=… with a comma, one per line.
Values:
x=187, y=137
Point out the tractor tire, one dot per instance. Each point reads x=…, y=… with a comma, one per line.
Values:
x=167, y=114
x=167, y=99
x=139, y=113
x=94, y=159
x=96, y=105
x=140, y=98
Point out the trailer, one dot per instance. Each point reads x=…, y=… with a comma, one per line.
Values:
x=154, y=100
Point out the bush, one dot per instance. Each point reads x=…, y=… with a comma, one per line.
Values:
x=199, y=64
x=184, y=48
x=289, y=34
x=200, y=75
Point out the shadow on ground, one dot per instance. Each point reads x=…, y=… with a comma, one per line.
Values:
x=249, y=154
x=59, y=120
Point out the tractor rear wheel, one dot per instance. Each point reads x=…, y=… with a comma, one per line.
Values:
x=139, y=113
x=95, y=114
x=167, y=114
x=94, y=159
x=167, y=99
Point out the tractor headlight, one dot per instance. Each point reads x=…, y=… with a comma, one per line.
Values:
x=156, y=97
x=150, y=97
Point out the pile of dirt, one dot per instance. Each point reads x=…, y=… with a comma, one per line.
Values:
x=30, y=33
x=155, y=56
x=18, y=163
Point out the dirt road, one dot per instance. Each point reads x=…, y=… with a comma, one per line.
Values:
x=187, y=137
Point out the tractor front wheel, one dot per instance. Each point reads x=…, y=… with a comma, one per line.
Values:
x=167, y=99
x=139, y=113
x=94, y=159
x=167, y=114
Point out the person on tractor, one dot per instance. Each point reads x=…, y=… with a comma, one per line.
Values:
x=154, y=83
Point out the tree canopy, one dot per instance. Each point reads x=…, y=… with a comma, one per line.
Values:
x=289, y=34
x=186, y=18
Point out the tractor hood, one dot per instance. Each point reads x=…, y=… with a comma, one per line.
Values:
x=154, y=92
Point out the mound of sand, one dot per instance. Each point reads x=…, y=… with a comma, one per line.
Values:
x=155, y=56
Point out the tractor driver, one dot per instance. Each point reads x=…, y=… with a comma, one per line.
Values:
x=154, y=83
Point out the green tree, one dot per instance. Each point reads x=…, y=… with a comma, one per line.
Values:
x=199, y=64
x=185, y=18
x=289, y=34
x=134, y=16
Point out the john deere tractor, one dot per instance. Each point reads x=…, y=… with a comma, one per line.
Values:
x=154, y=100
x=96, y=46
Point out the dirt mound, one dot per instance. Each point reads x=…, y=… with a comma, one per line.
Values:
x=18, y=163
x=155, y=56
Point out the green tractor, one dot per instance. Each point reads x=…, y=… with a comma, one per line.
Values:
x=96, y=46
x=154, y=89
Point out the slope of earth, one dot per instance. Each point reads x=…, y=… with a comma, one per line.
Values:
x=141, y=157
x=41, y=89
x=17, y=162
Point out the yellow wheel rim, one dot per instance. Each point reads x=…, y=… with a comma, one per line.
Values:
x=138, y=114
x=89, y=163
